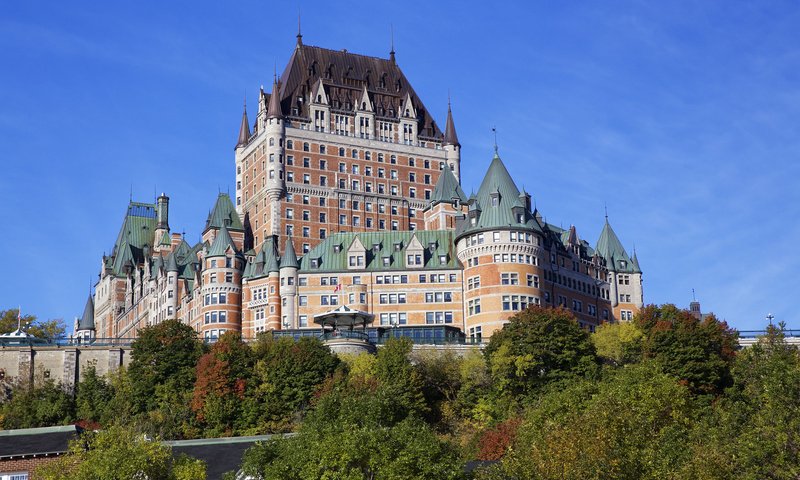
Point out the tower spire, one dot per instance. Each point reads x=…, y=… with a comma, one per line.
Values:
x=450, y=136
x=494, y=130
x=299, y=31
x=244, y=128
x=391, y=52
x=274, y=108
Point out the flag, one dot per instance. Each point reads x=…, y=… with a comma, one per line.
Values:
x=338, y=287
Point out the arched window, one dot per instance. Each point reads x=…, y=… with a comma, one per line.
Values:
x=306, y=147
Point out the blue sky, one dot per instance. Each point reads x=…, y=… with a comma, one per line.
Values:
x=682, y=117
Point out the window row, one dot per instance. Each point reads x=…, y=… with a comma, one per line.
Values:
x=518, y=302
x=215, y=317
x=438, y=297
x=215, y=298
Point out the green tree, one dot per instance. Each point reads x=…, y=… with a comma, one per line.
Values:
x=118, y=453
x=700, y=352
x=356, y=435
x=43, y=405
x=633, y=425
x=618, y=343
x=285, y=376
x=92, y=396
x=536, y=347
x=163, y=363
x=399, y=378
x=45, y=329
x=756, y=430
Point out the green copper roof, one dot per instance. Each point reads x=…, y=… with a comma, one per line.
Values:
x=87, y=319
x=222, y=242
x=610, y=248
x=224, y=213
x=497, y=204
x=171, y=263
x=635, y=262
x=138, y=231
x=165, y=240
x=447, y=188
x=392, y=245
x=289, y=258
x=265, y=261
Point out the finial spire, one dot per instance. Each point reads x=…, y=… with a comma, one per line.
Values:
x=694, y=299
x=391, y=52
x=605, y=207
x=299, y=31
x=494, y=130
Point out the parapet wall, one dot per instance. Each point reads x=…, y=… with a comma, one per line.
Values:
x=64, y=365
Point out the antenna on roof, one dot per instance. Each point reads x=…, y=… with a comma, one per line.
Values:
x=605, y=207
x=694, y=299
x=494, y=130
x=131, y=196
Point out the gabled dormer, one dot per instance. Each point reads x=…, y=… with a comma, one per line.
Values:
x=356, y=255
x=319, y=108
x=408, y=121
x=365, y=116
x=415, y=253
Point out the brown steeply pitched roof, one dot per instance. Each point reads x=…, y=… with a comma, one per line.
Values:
x=344, y=76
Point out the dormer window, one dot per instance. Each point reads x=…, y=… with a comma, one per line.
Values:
x=337, y=248
x=398, y=246
x=432, y=246
x=387, y=261
x=315, y=263
x=442, y=259
x=356, y=260
x=376, y=246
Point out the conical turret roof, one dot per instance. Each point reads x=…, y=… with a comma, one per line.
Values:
x=289, y=258
x=224, y=213
x=171, y=263
x=244, y=130
x=87, y=319
x=450, y=136
x=498, y=203
x=447, y=188
x=274, y=108
x=221, y=243
x=610, y=248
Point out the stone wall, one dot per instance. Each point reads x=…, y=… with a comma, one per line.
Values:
x=64, y=365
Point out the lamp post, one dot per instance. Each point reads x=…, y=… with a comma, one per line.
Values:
x=770, y=317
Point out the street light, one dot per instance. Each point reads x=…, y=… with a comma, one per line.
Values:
x=770, y=317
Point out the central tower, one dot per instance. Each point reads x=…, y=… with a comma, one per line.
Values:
x=342, y=143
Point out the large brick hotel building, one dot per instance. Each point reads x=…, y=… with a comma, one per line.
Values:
x=348, y=194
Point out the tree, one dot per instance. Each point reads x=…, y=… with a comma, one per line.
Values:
x=355, y=435
x=285, y=376
x=618, y=343
x=41, y=405
x=399, y=378
x=44, y=329
x=163, y=363
x=635, y=424
x=699, y=352
x=92, y=397
x=538, y=346
x=223, y=374
x=118, y=453
x=755, y=432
